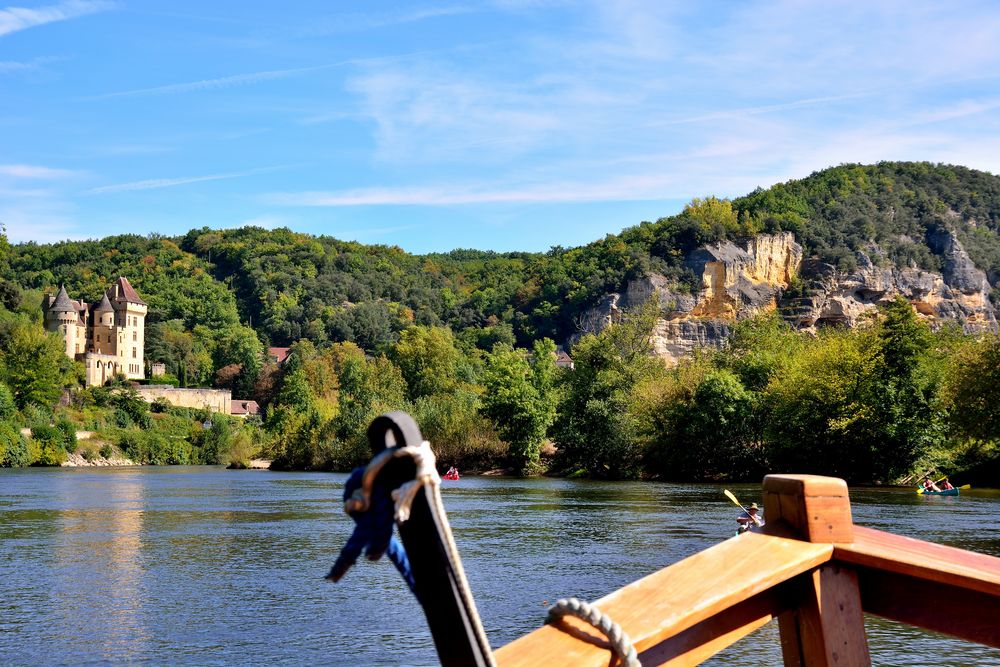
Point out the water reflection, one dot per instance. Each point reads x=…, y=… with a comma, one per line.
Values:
x=206, y=566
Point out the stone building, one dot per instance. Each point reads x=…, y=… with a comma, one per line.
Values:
x=108, y=336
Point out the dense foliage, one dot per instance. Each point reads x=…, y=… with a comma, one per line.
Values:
x=447, y=337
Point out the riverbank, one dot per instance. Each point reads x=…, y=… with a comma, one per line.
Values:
x=76, y=460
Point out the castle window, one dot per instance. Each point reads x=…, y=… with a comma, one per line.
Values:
x=133, y=353
x=135, y=335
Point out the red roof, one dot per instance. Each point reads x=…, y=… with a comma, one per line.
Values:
x=241, y=407
x=123, y=291
x=278, y=354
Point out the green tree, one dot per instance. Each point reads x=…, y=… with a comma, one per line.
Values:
x=33, y=364
x=971, y=393
x=7, y=406
x=240, y=345
x=705, y=427
x=597, y=427
x=521, y=409
x=428, y=360
x=13, y=447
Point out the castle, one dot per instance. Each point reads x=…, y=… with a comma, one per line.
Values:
x=108, y=336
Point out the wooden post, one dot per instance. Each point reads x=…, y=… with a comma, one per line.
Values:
x=826, y=628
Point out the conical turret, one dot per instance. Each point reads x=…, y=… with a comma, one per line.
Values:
x=62, y=304
x=105, y=305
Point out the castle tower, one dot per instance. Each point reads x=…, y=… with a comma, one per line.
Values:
x=130, y=324
x=62, y=315
x=107, y=336
x=103, y=337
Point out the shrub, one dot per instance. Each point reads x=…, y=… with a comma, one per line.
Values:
x=13, y=447
x=50, y=455
x=67, y=431
x=160, y=405
x=7, y=406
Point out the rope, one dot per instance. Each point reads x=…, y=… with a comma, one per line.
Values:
x=374, y=509
x=372, y=532
x=621, y=645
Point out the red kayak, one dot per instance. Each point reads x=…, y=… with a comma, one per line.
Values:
x=452, y=475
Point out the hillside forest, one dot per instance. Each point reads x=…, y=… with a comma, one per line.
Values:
x=466, y=342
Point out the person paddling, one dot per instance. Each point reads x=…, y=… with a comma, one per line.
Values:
x=750, y=520
x=930, y=485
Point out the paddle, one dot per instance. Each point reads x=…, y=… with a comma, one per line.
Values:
x=729, y=494
x=964, y=486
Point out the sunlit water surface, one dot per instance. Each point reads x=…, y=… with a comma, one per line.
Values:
x=199, y=565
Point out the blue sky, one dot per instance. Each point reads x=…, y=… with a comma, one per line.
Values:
x=506, y=125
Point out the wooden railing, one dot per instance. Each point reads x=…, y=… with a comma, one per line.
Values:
x=812, y=569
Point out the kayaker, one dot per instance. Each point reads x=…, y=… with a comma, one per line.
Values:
x=930, y=485
x=750, y=520
x=946, y=485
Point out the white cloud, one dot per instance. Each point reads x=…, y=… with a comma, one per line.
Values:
x=216, y=83
x=246, y=79
x=13, y=19
x=155, y=183
x=38, y=219
x=344, y=23
x=33, y=171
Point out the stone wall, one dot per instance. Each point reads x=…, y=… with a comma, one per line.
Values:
x=216, y=400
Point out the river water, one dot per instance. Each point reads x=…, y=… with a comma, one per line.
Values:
x=200, y=565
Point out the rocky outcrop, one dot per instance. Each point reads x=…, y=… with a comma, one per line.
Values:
x=739, y=281
x=960, y=293
x=75, y=460
x=736, y=281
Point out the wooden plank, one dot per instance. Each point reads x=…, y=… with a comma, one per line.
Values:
x=961, y=612
x=673, y=599
x=827, y=628
x=817, y=508
x=703, y=640
x=922, y=560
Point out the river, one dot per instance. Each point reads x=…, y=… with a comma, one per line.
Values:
x=200, y=565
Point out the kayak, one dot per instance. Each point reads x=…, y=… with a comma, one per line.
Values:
x=947, y=492
x=454, y=476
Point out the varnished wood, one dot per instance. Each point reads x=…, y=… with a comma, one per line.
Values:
x=922, y=560
x=703, y=640
x=827, y=626
x=817, y=508
x=674, y=599
x=961, y=612
x=812, y=568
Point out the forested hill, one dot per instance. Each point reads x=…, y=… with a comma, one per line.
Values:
x=287, y=285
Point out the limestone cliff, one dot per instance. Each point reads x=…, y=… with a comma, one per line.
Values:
x=739, y=281
x=960, y=293
x=736, y=281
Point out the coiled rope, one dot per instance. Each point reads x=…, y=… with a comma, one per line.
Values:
x=621, y=645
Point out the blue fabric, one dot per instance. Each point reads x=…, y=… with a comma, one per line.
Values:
x=372, y=533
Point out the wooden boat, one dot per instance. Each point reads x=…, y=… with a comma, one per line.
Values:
x=945, y=492
x=811, y=569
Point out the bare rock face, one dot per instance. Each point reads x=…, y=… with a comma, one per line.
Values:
x=740, y=281
x=959, y=293
x=736, y=282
